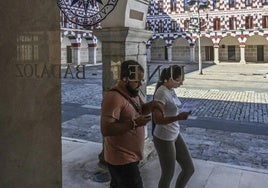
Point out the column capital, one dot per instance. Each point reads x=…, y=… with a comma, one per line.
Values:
x=76, y=44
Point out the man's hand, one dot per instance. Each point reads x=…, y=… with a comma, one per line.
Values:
x=142, y=120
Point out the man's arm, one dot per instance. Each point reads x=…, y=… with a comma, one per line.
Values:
x=111, y=126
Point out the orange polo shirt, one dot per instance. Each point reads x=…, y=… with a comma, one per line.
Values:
x=128, y=147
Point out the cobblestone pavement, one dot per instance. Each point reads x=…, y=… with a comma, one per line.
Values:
x=226, y=93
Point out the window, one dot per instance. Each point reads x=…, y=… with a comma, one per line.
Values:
x=173, y=5
x=248, y=2
x=249, y=22
x=203, y=25
x=265, y=2
x=232, y=23
x=216, y=4
x=160, y=6
x=217, y=24
x=160, y=27
x=193, y=25
x=173, y=26
x=186, y=6
x=186, y=24
x=150, y=9
x=148, y=26
x=265, y=21
x=231, y=3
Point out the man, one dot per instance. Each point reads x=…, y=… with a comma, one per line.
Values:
x=123, y=117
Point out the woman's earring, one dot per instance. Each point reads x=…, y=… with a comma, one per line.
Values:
x=165, y=80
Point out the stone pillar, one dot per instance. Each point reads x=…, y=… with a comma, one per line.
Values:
x=192, y=55
x=118, y=45
x=216, y=54
x=30, y=95
x=242, y=54
x=76, y=59
x=148, y=52
x=92, y=50
x=169, y=52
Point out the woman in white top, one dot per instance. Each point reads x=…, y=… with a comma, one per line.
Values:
x=168, y=141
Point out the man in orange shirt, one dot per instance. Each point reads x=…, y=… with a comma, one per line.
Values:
x=123, y=117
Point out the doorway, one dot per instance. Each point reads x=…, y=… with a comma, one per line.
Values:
x=69, y=54
x=231, y=53
x=209, y=51
x=260, y=53
x=166, y=53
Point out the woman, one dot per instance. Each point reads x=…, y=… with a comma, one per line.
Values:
x=168, y=141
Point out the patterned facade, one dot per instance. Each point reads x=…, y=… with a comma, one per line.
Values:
x=78, y=44
x=231, y=30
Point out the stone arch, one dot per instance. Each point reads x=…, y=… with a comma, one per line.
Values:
x=207, y=51
x=158, y=49
x=65, y=50
x=184, y=35
x=229, y=49
x=180, y=49
x=256, y=48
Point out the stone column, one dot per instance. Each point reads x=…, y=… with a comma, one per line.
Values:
x=30, y=95
x=192, y=54
x=92, y=50
x=76, y=59
x=242, y=54
x=216, y=54
x=148, y=52
x=169, y=52
x=118, y=45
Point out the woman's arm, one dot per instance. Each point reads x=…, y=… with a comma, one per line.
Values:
x=149, y=107
x=160, y=118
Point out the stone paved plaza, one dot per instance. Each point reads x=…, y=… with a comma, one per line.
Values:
x=227, y=94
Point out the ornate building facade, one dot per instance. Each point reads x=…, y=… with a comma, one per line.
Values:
x=78, y=44
x=231, y=31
